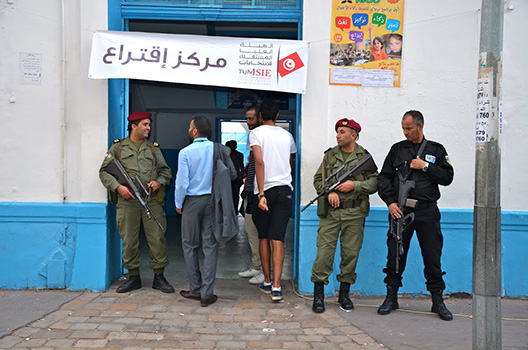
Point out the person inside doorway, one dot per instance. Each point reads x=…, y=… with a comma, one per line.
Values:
x=254, y=272
x=238, y=161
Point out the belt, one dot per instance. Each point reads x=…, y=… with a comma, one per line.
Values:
x=423, y=205
x=349, y=203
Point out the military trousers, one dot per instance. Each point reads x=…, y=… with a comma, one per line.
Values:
x=130, y=215
x=350, y=235
x=427, y=226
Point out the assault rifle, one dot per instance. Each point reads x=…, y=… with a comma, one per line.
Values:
x=116, y=169
x=397, y=226
x=365, y=164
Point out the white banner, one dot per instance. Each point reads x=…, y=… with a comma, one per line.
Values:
x=259, y=64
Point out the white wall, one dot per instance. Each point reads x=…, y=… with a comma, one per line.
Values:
x=514, y=141
x=54, y=133
x=91, y=108
x=439, y=77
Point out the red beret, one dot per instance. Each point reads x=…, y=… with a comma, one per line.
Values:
x=349, y=123
x=139, y=116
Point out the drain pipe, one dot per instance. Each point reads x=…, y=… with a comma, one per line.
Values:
x=63, y=98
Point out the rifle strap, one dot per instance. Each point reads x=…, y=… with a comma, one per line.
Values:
x=119, y=149
x=323, y=170
x=403, y=178
x=420, y=151
x=153, y=163
x=153, y=169
x=361, y=155
x=422, y=147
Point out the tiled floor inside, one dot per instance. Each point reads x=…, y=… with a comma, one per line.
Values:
x=233, y=256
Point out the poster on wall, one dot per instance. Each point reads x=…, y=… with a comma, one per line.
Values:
x=366, y=42
x=30, y=68
x=261, y=64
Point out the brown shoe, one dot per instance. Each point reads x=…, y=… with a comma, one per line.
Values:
x=209, y=301
x=187, y=294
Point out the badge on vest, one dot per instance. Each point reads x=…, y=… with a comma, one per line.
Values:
x=430, y=158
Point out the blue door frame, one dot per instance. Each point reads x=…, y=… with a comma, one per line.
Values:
x=121, y=12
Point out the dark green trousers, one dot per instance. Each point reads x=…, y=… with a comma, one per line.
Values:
x=130, y=214
x=350, y=235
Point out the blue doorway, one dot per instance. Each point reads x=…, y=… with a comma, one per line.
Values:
x=175, y=104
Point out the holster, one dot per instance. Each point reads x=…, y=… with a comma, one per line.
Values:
x=160, y=196
x=322, y=207
x=365, y=205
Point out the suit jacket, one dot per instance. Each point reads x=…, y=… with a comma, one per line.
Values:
x=225, y=223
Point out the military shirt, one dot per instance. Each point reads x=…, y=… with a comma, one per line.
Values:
x=136, y=162
x=365, y=183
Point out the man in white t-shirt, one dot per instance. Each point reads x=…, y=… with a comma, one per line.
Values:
x=273, y=149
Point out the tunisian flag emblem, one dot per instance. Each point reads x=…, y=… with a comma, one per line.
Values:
x=290, y=64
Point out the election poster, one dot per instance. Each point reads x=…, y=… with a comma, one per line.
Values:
x=366, y=42
x=258, y=64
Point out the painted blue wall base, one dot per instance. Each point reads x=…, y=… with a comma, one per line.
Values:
x=54, y=245
x=457, y=255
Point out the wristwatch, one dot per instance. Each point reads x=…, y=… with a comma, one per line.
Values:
x=425, y=167
x=260, y=196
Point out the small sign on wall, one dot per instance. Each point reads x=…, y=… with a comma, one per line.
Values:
x=30, y=68
x=489, y=112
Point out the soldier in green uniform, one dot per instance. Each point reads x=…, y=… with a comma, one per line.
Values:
x=143, y=158
x=342, y=211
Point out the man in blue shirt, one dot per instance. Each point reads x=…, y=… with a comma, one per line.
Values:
x=193, y=200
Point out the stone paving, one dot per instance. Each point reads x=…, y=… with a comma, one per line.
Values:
x=242, y=318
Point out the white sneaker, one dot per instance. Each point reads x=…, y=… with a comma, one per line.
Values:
x=249, y=273
x=257, y=279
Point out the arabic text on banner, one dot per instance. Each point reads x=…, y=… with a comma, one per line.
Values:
x=260, y=64
x=366, y=42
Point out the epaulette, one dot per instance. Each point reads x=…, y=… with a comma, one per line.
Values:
x=328, y=150
x=155, y=144
x=117, y=140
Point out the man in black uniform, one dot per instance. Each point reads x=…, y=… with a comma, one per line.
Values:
x=427, y=164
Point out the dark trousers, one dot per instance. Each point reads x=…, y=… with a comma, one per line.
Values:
x=272, y=224
x=427, y=226
x=235, y=188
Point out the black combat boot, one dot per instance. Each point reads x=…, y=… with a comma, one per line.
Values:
x=161, y=283
x=391, y=301
x=345, y=303
x=439, y=306
x=318, y=300
x=132, y=282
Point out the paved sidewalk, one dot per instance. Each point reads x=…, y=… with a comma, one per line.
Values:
x=242, y=318
x=413, y=327
x=19, y=307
